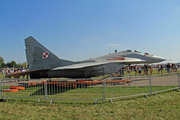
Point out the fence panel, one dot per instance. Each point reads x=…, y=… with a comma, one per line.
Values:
x=69, y=89
x=164, y=82
x=126, y=87
x=23, y=88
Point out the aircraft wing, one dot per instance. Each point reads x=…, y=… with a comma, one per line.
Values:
x=80, y=65
x=84, y=65
x=26, y=73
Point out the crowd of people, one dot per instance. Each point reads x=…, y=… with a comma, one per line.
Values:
x=148, y=69
x=11, y=71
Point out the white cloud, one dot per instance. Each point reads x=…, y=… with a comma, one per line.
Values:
x=113, y=44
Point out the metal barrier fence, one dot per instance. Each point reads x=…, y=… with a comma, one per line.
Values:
x=88, y=89
x=54, y=89
x=168, y=82
x=142, y=85
x=134, y=86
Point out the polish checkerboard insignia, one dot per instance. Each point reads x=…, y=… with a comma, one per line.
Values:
x=45, y=55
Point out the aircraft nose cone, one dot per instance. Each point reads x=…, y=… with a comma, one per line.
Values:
x=159, y=59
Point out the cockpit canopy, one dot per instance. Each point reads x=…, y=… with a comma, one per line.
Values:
x=128, y=51
x=137, y=51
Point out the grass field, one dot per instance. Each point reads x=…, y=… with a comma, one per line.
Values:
x=163, y=106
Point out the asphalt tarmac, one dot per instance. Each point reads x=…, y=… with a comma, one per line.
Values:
x=170, y=80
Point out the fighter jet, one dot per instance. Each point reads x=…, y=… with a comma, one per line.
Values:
x=44, y=64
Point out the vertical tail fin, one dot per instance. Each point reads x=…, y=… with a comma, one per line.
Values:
x=39, y=56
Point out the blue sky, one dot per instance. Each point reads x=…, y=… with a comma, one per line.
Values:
x=83, y=29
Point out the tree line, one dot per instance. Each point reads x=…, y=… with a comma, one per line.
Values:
x=12, y=64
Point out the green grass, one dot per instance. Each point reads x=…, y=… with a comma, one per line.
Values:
x=91, y=93
x=163, y=106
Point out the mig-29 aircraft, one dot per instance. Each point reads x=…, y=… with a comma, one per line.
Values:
x=44, y=64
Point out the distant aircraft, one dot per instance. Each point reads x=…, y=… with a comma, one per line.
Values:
x=44, y=64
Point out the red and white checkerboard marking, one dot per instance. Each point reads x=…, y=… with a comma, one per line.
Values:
x=45, y=55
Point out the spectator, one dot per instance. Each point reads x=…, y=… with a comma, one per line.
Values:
x=175, y=68
x=151, y=70
x=27, y=76
x=18, y=71
x=23, y=70
x=139, y=69
x=146, y=69
x=112, y=76
x=161, y=68
x=135, y=69
x=12, y=71
x=6, y=72
x=171, y=67
x=2, y=72
x=128, y=70
x=122, y=71
x=15, y=71
x=168, y=67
